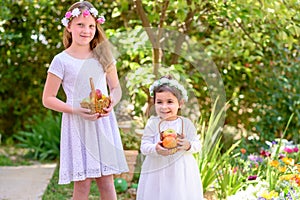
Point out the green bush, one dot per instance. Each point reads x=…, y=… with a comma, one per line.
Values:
x=42, y=137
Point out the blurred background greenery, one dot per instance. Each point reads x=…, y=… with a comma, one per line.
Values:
x=254, y=45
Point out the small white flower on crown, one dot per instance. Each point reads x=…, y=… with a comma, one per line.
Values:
x=171, y=83
x=76, y=12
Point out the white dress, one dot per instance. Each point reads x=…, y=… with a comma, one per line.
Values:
x=175, y=176
x=88, y=149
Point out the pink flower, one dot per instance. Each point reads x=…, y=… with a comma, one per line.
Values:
x=101, y=20
x=253, y=177
x=68, y=15
x=281, y=156
x=296, y=149
x=86, y=13
x=288, y=150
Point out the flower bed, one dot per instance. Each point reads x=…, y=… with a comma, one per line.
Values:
x=271, y=174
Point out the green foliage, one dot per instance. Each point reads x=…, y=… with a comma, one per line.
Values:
x=12, y=156
x=228, y=180
x=30, y=36
x=42, y=137
x=130, y=140
x=258, y=59
x=5, y=161
x=210, y=160
x=26, y=44
x=254, y=44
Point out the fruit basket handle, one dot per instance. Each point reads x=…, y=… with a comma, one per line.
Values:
x=168, y=118
x=93, y=90
x=92, y=85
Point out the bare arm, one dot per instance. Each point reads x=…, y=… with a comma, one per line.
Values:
x=51, y=101
x=114, y=85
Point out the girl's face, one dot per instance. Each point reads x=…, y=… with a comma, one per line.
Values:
x=167, y=105
x=83, y=30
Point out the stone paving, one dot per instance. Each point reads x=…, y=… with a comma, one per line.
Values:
x=25, y=182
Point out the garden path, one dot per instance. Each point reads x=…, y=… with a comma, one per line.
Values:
x=25, y=182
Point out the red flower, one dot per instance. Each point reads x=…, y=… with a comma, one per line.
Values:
x=265, y=153
x=243, y=151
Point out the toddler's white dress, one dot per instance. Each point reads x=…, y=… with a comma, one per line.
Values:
x=88, y=149
x=175, y=176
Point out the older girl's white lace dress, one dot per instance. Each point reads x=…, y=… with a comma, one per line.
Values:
x=88, y=149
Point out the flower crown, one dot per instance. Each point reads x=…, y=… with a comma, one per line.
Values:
x=76, y=12
x=171, y=83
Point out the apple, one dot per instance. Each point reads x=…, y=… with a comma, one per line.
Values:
x=169, y=142
x=86, y=100
x=169, y=132
x=98, y=94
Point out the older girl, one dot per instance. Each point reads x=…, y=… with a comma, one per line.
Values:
x=91, y=146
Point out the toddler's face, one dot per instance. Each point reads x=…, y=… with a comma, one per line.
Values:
x=166, y=105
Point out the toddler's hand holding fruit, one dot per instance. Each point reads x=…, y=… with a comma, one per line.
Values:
x=164, y=151
x=183, y=144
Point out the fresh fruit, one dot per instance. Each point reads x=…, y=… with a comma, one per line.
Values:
x=169, y=132
x=96, y=102
x=86, y=100
x=169, y=142
x=169, y=138
x=98, y=94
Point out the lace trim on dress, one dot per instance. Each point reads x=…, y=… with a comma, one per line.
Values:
x=65, y=177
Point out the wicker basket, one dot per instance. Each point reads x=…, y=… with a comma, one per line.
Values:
x=96, y=105
x=178, y=135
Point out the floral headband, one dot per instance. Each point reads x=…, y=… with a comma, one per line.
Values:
x=171, y=83
x=76, y=12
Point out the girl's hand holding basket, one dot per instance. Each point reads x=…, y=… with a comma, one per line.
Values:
x=97, y=102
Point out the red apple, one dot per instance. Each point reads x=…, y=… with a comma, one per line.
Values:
x=169, y=142
x=98, y=94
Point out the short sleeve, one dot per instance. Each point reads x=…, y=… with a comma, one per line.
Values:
x=57, y=68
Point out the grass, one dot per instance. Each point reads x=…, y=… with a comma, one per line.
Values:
x=55, y=191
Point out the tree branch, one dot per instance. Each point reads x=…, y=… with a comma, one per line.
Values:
x=247, y=34
x=145, y=22
x=186, y=28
